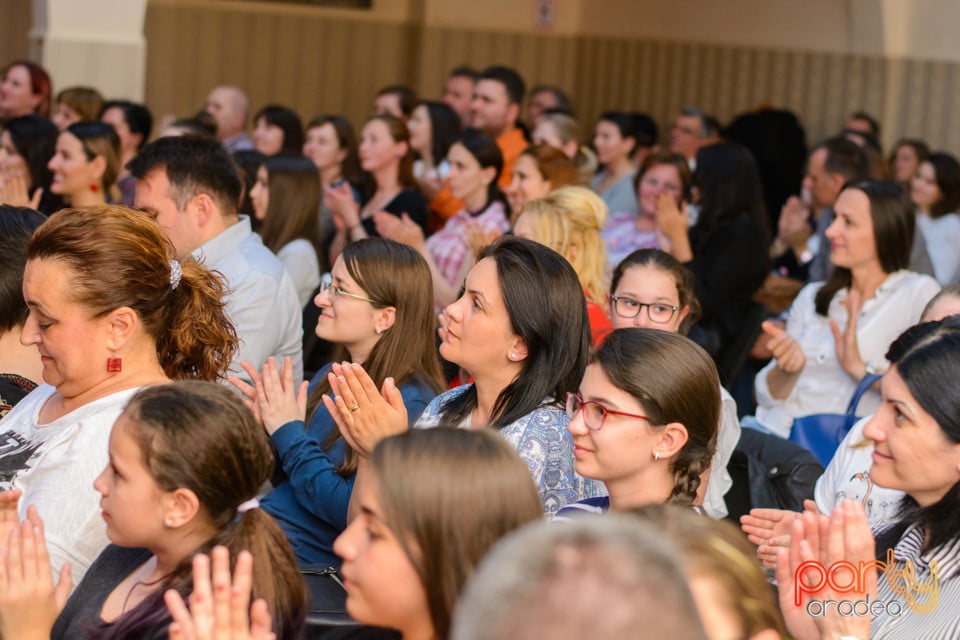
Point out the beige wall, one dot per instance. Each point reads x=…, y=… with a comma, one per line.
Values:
x=821, y=58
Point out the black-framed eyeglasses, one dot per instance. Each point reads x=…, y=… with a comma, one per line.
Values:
x=326, y=284
x=593, y=413
x=658, y=312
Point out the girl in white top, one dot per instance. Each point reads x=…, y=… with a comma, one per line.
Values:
x=935, y=190
x=286, y=198
x=838, y=331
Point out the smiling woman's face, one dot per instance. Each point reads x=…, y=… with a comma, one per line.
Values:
x=910, y=451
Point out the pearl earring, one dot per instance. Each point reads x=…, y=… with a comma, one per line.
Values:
x=168, y=523
x=378, y=330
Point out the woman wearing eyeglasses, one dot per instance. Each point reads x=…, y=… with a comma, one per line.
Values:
x=377, y=307
x=644, y=421
x=651, y=289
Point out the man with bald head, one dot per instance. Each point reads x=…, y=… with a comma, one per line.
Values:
x=230, y=108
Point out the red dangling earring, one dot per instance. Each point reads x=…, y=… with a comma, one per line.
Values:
x=114, y=364
x=94, y=187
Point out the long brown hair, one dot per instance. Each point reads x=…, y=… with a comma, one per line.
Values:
x=230, y=458
x=294, y=203
x=894, y=222
x=119, y=257
x=449, y=495
x=674, y=380
x=392, y=275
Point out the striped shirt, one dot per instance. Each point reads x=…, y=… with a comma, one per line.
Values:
x=904, y=621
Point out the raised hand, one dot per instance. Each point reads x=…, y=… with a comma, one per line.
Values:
x=848, y=350
x=345, y=210
x=769, y=530
x=248, y=390
x=786, y=351
x=364, y=414
x=218, y=605
x=817, y=544
x=279, y=399
x=14, y=192
x=29, y=600
x=401, y=229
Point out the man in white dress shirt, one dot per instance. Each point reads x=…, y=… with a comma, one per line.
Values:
x=191, y=187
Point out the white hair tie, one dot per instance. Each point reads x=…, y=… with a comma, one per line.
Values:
x=245, y=506
x=176, y=272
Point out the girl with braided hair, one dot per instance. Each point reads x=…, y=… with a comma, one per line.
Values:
x=644, y=421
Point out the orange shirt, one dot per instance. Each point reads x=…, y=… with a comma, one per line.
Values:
x=443, y=207
x=511, y=146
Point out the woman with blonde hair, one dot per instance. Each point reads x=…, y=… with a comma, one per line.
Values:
x=569, y=221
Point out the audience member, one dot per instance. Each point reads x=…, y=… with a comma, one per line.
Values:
x=502, y=331
x=248, y=163
x=626, y=232
x=396, y=100
x=85, y=164
x=277, y=130
x=286, y=199
x=647, y=134
x=111, y=309
x=436, y=502
x=915, y=437
x=386, y=155
x=332, y=145
x=377, y=310
x=133, y=123
x=569, y=221
x=905, y=159
x=615, y=141
x=495, y=108
x=562, y=131
x=691, y=130
x=863, y=122
x=76, y=104
x=838, y=331
x=543, y=98
x=936, y=193
x=475, y=164
x=848, y=474
x=27, y=143
x=20, y=368
x=230, y=108
x=539, y=170
x=434, y=127
x=650, y=289
x=190, y=186
x=201, y=124
x=458, y=92
x=729, y=587
x=726, y=249
x=160, y=508
x=604, y=578
x=832, y=164
x=25, y=88
x=669, y=383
